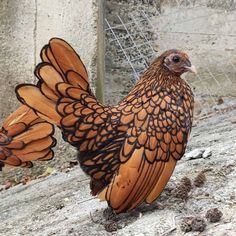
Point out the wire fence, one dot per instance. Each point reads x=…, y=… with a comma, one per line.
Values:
x=206, y=31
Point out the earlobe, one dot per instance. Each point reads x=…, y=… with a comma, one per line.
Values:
x=166, y=61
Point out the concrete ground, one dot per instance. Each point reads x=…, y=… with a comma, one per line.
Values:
x=61, y=204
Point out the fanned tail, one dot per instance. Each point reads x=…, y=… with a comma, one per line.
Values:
x=63, y=97
x=24, y=137
x=63, y=81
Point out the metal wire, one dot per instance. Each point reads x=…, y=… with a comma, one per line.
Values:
x=135, y=43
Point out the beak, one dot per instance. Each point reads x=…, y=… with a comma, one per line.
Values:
x=192, y=69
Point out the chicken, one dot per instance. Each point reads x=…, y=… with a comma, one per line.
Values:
x=24, y=138
x=129, y=150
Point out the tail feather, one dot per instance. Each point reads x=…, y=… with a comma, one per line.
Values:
x=47, y=92
x=63, y=57
x=47, y=157
x=66, y=57
x=35, y=132
x=34, y=98
x=15, y=144
x=75, y=79
x=69, y=91
x=22, y=114
x=63, y=96
x=33, y=156
x=15, y=129
x=50, y=59
x=49, y=75
x=63, y=80
x=43, y=54
x=69, y=121
x=25, y=137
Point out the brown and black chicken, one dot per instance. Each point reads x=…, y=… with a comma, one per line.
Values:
x=25, y=137
x=129, y=150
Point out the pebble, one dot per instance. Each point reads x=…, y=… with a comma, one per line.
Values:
x=194, y=154
x=198, y=153
x=207, y=153
x=233, y=120
x=200, y=179
x=213, y=215
x=193, y=224
x=110, y=226
x=198, y=224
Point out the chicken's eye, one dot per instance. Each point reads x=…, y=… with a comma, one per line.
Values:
x=176, y=59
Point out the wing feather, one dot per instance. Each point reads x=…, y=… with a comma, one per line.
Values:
x=148, y=155
x=164, y=177
x=137, y=180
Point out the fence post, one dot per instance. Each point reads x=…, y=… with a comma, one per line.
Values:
x=100, y=52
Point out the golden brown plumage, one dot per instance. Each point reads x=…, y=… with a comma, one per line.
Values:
x=24, y=137
x=129, y=150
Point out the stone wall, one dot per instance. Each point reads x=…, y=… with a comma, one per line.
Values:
x=27, y=25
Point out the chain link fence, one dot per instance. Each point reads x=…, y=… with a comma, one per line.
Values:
x=137, y=33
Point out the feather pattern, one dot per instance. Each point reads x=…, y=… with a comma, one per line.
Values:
x=24, y=138
x=129, y=150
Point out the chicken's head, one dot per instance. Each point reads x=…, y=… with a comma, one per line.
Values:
x=177, y=62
